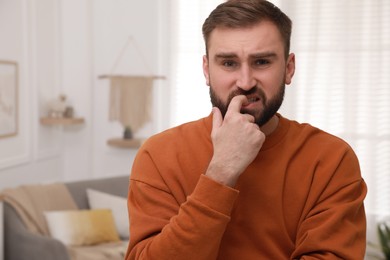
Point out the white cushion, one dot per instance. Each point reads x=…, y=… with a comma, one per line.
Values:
x=118, y=206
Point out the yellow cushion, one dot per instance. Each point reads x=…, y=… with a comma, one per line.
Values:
x=82, y=227
x=118, y=206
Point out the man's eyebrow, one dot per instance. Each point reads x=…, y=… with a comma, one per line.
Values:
x=225, y=55
x=260, y=55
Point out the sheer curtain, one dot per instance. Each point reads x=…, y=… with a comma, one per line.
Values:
x=342, y=80
x=342, y=83
x=189, y=94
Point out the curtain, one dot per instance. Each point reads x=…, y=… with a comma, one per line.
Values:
x=342, y=80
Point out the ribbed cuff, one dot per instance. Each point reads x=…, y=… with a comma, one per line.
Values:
x=215, y=195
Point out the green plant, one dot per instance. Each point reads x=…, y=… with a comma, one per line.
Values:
x=384, y=239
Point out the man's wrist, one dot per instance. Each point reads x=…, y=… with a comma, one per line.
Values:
x=221, y=174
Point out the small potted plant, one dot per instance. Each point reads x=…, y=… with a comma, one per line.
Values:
x=384, y=239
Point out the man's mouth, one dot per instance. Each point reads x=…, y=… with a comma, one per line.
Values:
x=253, y=99
x=252, y=103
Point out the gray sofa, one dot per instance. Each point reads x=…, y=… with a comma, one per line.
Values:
x=21, y=244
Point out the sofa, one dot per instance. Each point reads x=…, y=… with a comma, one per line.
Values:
x=20, y=243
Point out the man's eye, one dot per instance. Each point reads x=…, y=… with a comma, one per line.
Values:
x=262, y=62
x=229, y=63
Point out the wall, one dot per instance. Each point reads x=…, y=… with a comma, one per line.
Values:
x=62, y=46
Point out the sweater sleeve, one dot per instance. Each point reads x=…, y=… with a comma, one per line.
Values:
x=162, y=229
x=334, y=225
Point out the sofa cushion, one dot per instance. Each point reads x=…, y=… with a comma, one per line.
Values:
x=118, y=206
x=82, y=227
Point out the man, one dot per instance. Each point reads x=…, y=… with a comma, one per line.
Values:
x=245, y=182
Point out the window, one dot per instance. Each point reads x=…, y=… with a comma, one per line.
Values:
x=190, y=95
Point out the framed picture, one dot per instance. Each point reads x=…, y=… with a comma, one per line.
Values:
x=8, y=98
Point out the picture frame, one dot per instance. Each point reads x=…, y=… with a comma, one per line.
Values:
x=8, y=98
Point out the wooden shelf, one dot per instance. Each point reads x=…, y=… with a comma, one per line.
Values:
x=61, y=121
x=125, y=143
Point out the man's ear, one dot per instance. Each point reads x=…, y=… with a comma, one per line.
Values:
x=290, y=68
x=206, y=69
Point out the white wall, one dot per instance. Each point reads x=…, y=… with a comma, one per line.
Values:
x=62, y=46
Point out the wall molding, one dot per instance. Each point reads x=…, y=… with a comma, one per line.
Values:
x=17, y=149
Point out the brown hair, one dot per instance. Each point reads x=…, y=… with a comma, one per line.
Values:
x=245, y=13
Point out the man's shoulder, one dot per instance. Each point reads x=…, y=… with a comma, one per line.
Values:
x=181, y=133
x=315, y=135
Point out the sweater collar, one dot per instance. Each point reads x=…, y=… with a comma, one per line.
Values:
x=276, y=136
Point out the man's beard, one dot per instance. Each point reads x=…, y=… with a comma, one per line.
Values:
x=270, y=107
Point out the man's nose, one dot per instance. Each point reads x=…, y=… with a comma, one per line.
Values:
x=245, y=80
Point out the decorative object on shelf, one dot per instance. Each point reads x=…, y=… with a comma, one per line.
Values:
x=57, y=107
x=69, y=112
x=8, y=98
x=61, y=113
x=127, y=133
x=130, y=96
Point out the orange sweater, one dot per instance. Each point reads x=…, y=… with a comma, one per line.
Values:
x=302, y=198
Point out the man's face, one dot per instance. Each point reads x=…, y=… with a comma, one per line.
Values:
x=251, y=62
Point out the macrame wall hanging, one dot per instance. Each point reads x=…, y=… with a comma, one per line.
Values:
x=130, y=95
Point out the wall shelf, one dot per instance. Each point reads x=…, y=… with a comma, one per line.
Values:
x=125, y=143
x=61, y=121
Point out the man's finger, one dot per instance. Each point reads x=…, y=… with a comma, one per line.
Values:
x=236, y=104
x=249, y=117
x=217, y=118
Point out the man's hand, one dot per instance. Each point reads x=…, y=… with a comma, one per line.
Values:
x=236, y=141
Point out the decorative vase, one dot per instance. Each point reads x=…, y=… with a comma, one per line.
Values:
x=127, y=133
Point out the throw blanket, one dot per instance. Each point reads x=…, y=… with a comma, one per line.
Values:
x=30, y=201
x=106, y=251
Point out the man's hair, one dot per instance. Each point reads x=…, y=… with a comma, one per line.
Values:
x=246, y=13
